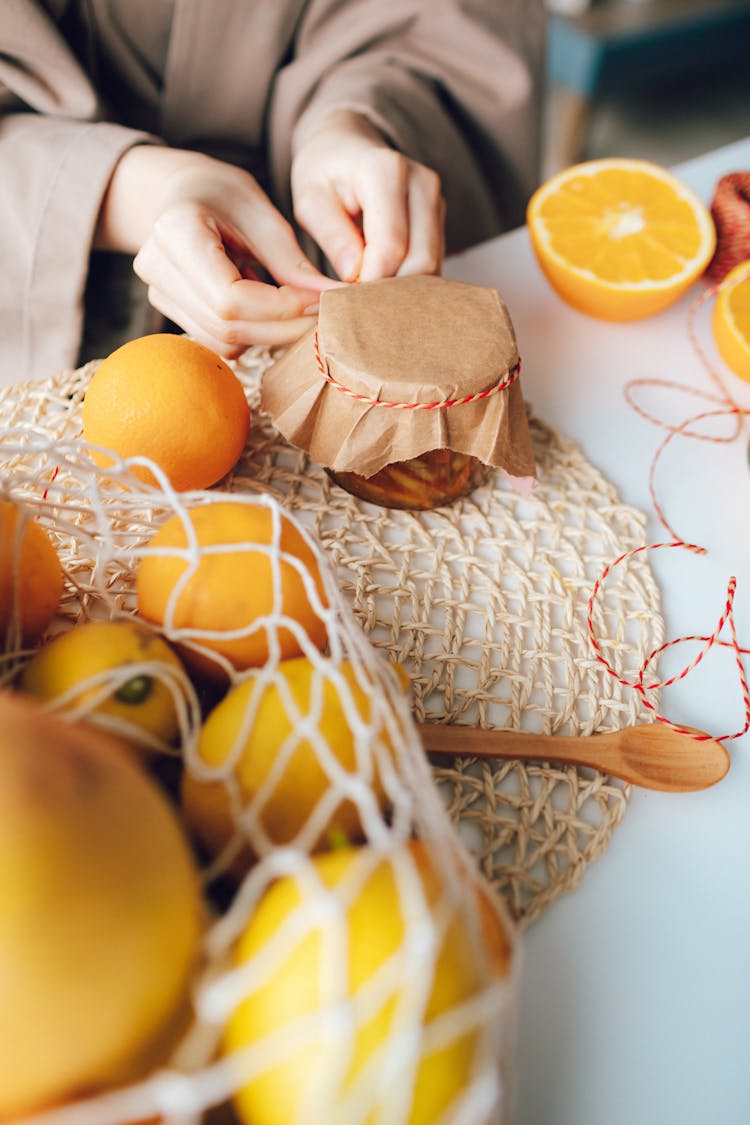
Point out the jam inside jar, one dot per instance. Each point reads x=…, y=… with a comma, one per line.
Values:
x=428, y=481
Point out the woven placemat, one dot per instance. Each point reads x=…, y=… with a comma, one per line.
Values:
x=485, y=605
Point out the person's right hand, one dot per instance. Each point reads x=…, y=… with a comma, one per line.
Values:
x=198, y=228
x=373, y=211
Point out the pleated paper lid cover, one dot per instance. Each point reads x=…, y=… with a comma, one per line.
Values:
x=398, y=367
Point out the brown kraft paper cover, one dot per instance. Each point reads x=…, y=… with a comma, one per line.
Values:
x=404, y=341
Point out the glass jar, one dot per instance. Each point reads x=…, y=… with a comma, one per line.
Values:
x=431, y=480
x=397, y=367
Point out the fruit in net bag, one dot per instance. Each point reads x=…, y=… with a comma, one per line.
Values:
x=248, y=567
x=357, y=1015
x=170, y=399
x=100, y=911
x=285, y=745
x=31, y=577
x=119, y=670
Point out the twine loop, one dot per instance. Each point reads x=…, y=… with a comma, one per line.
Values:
x=722, y=405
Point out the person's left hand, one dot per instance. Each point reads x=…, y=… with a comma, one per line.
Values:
x=373, y=212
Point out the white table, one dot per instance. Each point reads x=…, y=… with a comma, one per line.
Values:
x=635, y=1001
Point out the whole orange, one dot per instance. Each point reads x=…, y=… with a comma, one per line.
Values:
x=249, y=570
x=170, y=399
x=31, y=577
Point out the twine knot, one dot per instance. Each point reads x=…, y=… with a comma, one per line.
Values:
x=507, y=379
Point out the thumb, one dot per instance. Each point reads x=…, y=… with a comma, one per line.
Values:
x=270, y=239
x=287, y=263
x=322, y=214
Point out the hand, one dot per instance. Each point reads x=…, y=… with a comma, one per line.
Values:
x=374, y=212
x=200, y=227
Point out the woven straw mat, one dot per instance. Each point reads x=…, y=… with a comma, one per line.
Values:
x=485, y=604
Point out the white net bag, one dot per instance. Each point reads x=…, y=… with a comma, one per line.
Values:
x=352, y=967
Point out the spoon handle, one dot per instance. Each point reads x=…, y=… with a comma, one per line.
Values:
x=653, y=756
x=477, y=742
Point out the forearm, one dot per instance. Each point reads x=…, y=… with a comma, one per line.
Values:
x=53, y=175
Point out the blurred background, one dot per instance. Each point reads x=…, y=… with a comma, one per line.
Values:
x=665, y=80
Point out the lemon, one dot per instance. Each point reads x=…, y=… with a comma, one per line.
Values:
x=119, y=670
x=290, y=793
x=330, y=1066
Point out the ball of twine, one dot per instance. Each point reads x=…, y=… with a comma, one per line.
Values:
x=730, y=210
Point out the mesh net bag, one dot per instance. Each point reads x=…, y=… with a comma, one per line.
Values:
x=353, y=966
x=484, y=605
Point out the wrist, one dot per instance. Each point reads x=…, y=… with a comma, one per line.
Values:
x=340, y=124
x=141, y=183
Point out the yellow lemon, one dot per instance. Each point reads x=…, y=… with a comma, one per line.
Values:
x=277, y=757
x=731, y=320
x=31, y=577
x=330, y=1066
x=121, y=670
x=101, y=914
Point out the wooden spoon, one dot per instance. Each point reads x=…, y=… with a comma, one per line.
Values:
x=653, y=755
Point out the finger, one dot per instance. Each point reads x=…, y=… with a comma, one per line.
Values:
x=186, y=261
x=179, y=317
x=192, y=240
x=426, y=224
x=188, y=237
x=230, y=339
x=172, y=292
x=231, y=331
x=385, y=215
x=320, y=211
x=263, y=230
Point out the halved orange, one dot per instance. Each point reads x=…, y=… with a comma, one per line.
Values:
x=618, y=238
x=731, y=320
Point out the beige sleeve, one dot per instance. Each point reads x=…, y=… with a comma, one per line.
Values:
x=56, y=159
x=454, y=84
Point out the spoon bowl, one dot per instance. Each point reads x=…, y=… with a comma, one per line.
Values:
x=651, y=755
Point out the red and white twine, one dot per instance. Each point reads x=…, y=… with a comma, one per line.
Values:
x=723, y=405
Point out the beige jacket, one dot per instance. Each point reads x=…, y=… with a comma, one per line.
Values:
x=452, y=83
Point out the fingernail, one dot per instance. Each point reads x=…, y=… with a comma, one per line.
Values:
x=348, y=264
x=311, y=310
